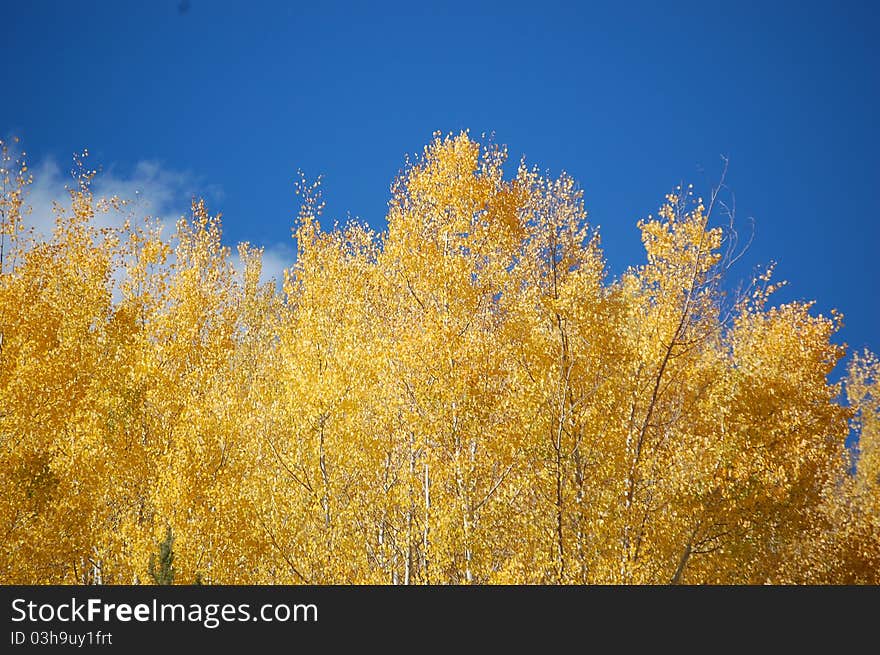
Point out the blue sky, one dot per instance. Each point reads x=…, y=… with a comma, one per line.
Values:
x=229, y=99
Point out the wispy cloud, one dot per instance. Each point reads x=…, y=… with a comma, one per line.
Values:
x=277, y=257
x=152, y=190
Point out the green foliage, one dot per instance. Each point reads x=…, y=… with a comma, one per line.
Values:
x=163, y=573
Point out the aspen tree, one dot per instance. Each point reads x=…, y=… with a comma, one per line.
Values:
x=465, y=397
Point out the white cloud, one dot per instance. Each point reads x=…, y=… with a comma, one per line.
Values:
x=151, y=190
x=277, y=257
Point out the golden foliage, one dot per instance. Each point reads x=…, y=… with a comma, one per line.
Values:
x=465, y=398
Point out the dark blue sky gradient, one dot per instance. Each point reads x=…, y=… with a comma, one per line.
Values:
x=629, y=98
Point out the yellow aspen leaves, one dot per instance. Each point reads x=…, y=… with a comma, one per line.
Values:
x=467, y=397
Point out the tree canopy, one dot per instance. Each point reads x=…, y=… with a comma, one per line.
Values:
x=465, y=397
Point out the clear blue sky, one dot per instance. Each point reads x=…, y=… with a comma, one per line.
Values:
x=630, y=98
